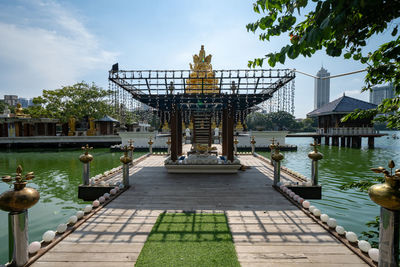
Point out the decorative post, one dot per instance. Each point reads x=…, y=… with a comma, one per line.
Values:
x=150, y=145
x=131, y=148
x=277, y=157
x=125, y=160
x=315, y=156
x=235, y=142
x=169, y=145
x=272, y=146
x=86, y=158
x=17, y=201
x=253, y=145
x=387, y=195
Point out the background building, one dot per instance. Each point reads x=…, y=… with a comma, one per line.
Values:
x=379, y=93
x=11, y=100
x=321, y=88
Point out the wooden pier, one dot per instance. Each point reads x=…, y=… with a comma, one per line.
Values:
x=267, y=229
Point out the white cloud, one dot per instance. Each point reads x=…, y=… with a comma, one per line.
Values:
x=35, y=57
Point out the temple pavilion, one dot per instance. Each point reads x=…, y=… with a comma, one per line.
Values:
x=200, y=98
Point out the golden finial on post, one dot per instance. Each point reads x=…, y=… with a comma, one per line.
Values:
x=150, y=141
x=277, y=156
x=168, y=141
x=20, y=198
x=131, y=147
x=272, y=145
x=315, y=155
x=86, y=157
x=387, y=194
x=253, y=140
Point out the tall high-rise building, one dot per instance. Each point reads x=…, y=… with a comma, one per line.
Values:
x=11, y=100
x=379, y=93
x=321, y=88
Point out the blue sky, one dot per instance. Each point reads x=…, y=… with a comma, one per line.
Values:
x=48, y=44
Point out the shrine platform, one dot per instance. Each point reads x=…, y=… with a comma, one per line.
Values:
x=267, y=229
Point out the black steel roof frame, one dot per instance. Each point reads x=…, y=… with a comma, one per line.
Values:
x=153, y=87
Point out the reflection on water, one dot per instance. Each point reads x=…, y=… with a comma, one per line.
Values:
x=340, y=165
x=57, y=176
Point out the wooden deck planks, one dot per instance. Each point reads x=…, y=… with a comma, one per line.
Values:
x=266, y=228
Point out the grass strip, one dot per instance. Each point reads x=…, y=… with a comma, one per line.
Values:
x=189, y=239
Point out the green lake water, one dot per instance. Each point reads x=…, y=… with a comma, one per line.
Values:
x=58, y=175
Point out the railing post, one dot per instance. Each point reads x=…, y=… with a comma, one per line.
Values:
x=17, y=201
x=253, y=145
x=235, y=142
x=272, y=146
x=125, y=160
x=315, y=156
x=150, y=145
x=169, y=145
x=277, y=157
x=131, y=148
x=387, y=195
x=86, y=158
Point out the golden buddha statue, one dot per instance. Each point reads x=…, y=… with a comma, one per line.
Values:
x=165, y=127
x=213, y=125
x=191, y=125
x=92, y=130
x=71, y=126
x=19, y=112
x=239, y=126
x=202, y=78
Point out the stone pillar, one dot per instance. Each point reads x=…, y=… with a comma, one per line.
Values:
x=150, y=145
x=348, y=141
x=371, y=142
x=342, y=141
x=315, y=156
x=388, y=197
x=86, y=158
x=327, y=140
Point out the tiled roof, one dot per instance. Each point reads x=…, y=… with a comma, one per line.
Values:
x=342, y=105
x=107, y=118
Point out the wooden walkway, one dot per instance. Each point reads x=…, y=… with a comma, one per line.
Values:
x=267, y=229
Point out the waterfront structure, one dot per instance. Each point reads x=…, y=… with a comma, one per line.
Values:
x=106, y=125
x=379, y=93
x=330, y=125
x=200, y=95
x=321, y=88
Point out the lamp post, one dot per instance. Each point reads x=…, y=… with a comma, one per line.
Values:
x=387, y=195
x=315, y=156
x=235, y=142
x=17, y=201
x=169, y=145
x=150, y=145
x=131, y=148
x=253, y=145
x=277, y=157
x=86, y=158
x=125, y=160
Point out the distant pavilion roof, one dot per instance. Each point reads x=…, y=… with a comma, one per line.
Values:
x=107, y=118
x=342, y=105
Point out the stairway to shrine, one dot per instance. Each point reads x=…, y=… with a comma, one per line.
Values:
x=202, y=128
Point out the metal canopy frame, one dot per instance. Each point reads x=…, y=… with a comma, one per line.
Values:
x=238, y=89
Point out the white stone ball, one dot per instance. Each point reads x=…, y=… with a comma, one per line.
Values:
x=281, y=187
x=306, y=204
x=373, y=253
x=113, y=191
x=308, y=184
x=72, y=220
x=95, y=203
x=292, y=194
x=324, y=218
x=316, y=212
x=331, y=222
x=61, y=228
x=106, y=195
x=351, y=236
x=295, y=198
x=34, y=247
x=121, y=186
x=87, y=209
x=300, y=200
x=365, y=246
x=79, y=214
x=311, y=208
x=116, y=188
x=48, y=236
x=102, y=183
x=102, y=199
x=340, y=230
